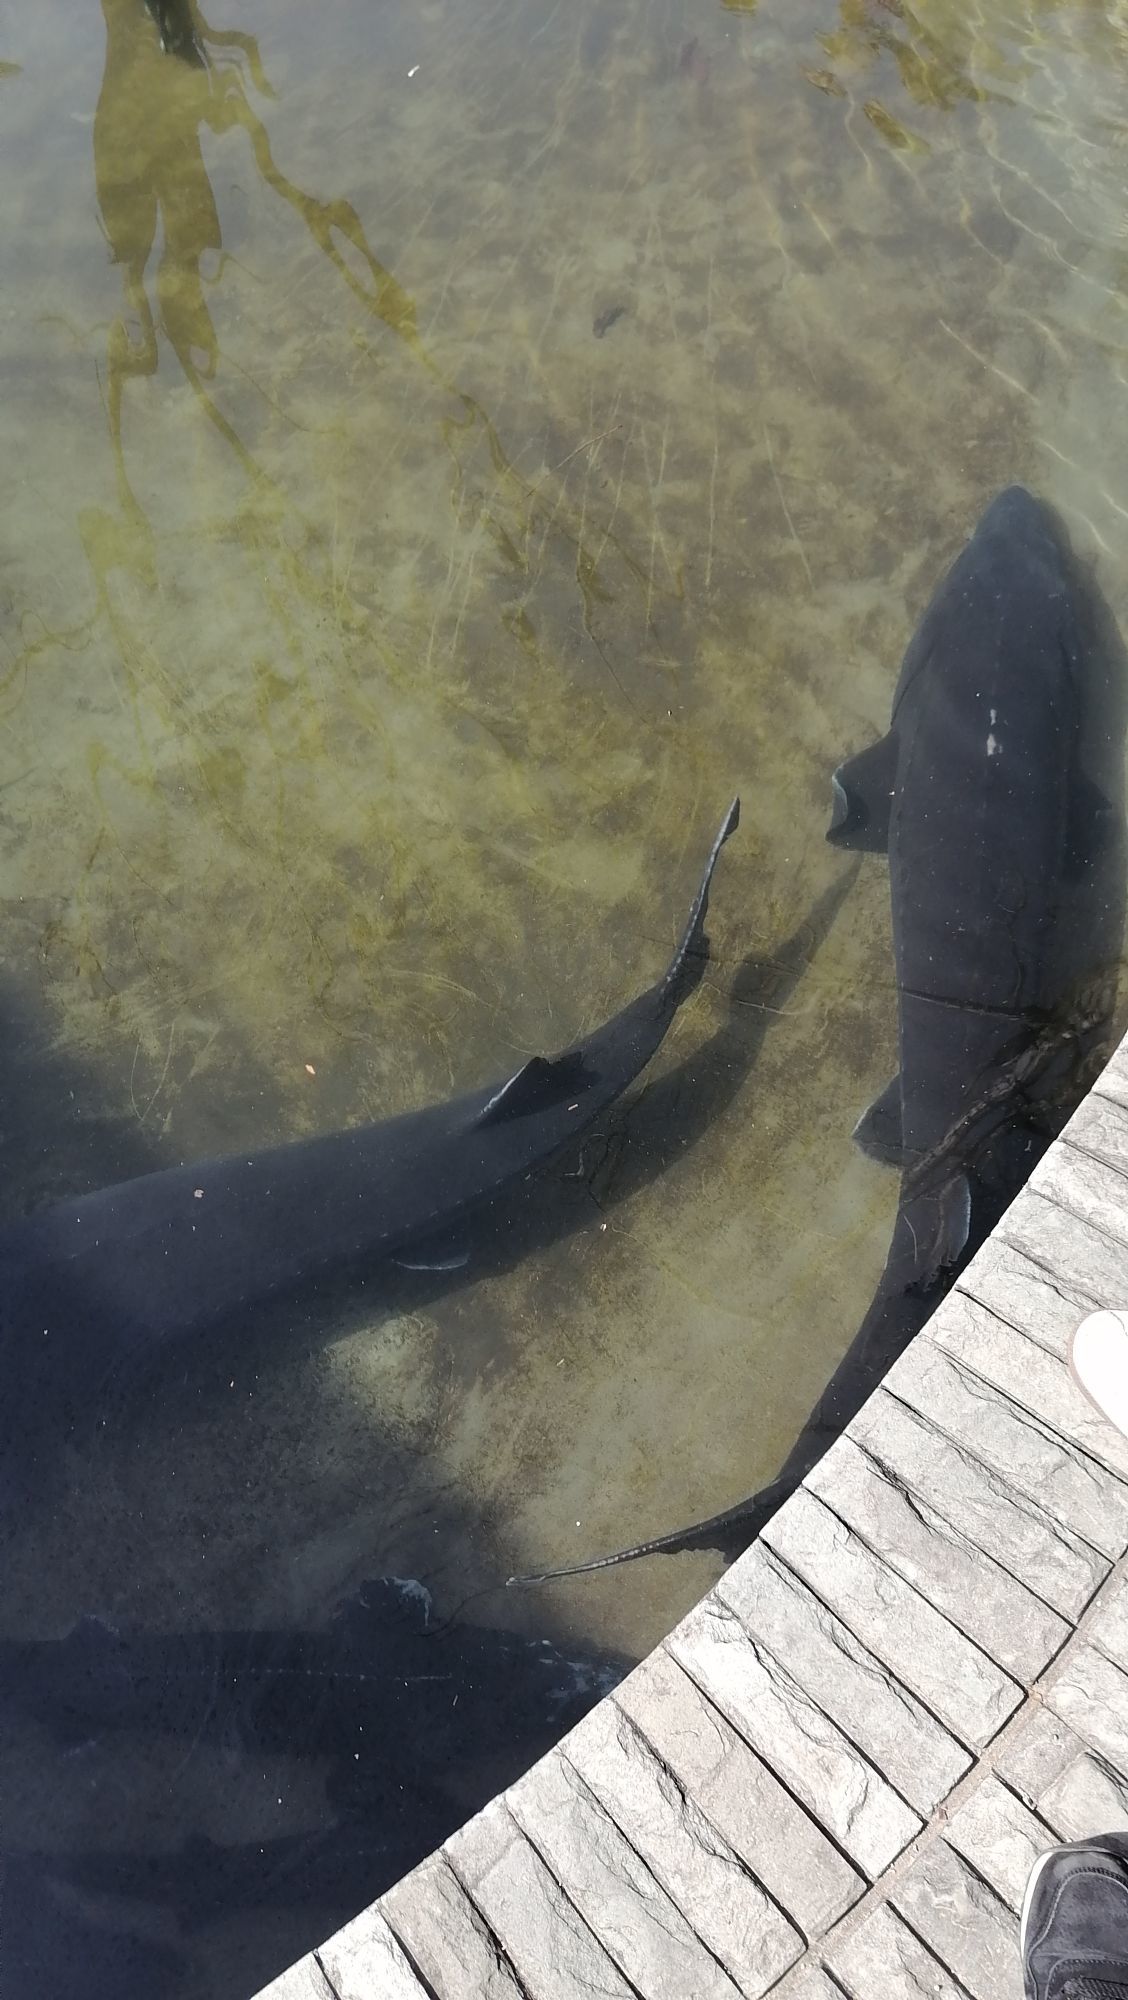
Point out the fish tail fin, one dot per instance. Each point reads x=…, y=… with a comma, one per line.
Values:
x=688, y=962
x=728, y=1533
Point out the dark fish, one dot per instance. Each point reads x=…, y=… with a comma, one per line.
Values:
x=157, y=1259
x=410, y=1723
x=605, y=320
x=998, y=796
x=178, y=30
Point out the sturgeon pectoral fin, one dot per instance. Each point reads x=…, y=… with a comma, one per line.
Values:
x=941, y=1224
x=878, y=1131
x=541, y=1082
x=448, y=1251
x=863, y=793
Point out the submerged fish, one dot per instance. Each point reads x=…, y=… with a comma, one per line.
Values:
x=137, y=1266
x=998, y=796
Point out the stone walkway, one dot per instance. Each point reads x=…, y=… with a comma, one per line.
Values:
x=833, y=1776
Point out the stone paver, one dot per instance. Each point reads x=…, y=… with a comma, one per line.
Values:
x=951, y=1583
x=981, y=1598
x=780, y=1843
x=924, y=1650
x=918, y=1756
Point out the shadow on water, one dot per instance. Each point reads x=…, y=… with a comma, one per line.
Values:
x=396, y=1726
x=402, y=1725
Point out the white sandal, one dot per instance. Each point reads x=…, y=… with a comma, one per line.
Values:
x=1098, y=1363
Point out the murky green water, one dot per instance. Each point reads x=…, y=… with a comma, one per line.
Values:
x=448, y=450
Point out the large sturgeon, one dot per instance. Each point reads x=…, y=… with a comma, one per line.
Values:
x=997, y=795
x=91, y=1281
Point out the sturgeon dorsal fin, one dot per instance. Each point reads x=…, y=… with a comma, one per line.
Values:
x=541, y=1082
x=878, y=1131
x=863, y=793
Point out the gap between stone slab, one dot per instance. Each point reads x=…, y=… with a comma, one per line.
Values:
x=937, y=1825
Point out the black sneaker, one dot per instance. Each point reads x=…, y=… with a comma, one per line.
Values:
x=1074, y=1938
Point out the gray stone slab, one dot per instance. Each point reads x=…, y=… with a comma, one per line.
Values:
x=963, y=1922
x=928, y=1655
x=699, y=1871
x=977, y=1502
x=1086, y=1263
x=1036, y=1300
x=303, y=1981
x=917, y=1755
x=622, y=1901
x=1099, y=1127
x=1091, y=1695
x=1063, y=1481
x=554, y=1953
x=1037, y=1381
x=432, y=1915
x=1031, y=1759
x=1113, y=1079
x=1108, y=1626
x=808, y=1752
x=1013, y=1626
x=365, y=1959
x=1086, y=1187
x=882, y=1960
x=734, y=1788
x=1088, y=1797
x=1000, y=1837
x=813, y=1984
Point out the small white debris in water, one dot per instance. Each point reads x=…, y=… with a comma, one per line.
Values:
x=574, y=1107
x=310, y=1071
x=414, y=71
x=198, y=1193
x=993, y=744
x=602, y=1226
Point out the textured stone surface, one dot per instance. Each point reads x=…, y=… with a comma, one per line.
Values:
x=882, y=1960
x=1037, y=1381
x=699, y=1871
x=1000, y=1837
x=743, y=1799
x=1109, y=1626
x=1027, y=1295
x=1099, y=1126
x=364, y=1959
x=432, y=1915
x=985, y=1601
x=1061, y=1479
x=1088, y=1797
x=1053, y=1563
x=963, y=1922
x=1085, y=1186
x=1076, y=1257
x=812, y=1756
x=926, y=1652
x=612, y=1887
x=554, y=1953
x=850, y=1685
x=813, y=1984
x=303, y=1981
x=1039, y=1751
x=1092, y=1696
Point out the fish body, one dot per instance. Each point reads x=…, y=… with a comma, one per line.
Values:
x=997, y=795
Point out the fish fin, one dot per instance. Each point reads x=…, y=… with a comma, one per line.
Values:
x=1094, y=826
x=446, y=1250
x=879, y=1131
x=863, y=791
x=948, y=1213
x=688, y=962
x=729, y=1534
x=540, y=1082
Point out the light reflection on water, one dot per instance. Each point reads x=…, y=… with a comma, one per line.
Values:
x=449, y=451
